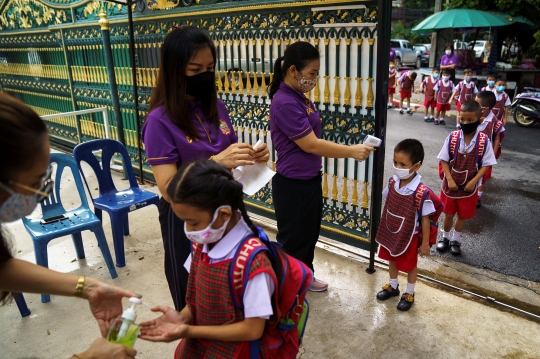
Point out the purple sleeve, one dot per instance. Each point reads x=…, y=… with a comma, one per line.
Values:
x=224, y=113
x=444, y=60
x=292, y=120
x=158, y=140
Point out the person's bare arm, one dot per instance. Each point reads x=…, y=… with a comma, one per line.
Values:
x=471, y=185
x=312, y=144
x=424, y=246
x=163, y=175
x=496, y=143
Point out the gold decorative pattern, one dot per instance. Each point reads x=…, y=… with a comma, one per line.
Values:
x=370, y=97
x=365, y=197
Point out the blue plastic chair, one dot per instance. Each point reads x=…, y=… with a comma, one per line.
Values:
x=116, y=203
x=21, y=304
x=78, y=220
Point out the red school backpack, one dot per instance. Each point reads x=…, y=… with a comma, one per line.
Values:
x=284, y=331
x=453, y=144
x=421, y=194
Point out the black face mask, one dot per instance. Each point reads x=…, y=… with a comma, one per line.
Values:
x=469, y=128
x=200, y=85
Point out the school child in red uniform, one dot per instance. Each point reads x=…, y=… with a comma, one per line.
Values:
x=427, y=88
x=443, y=91
x=493, y=128
x=491, y=77
x=402, y=222
x=391, y=84
x=465, y=90
x=210, y=202
x=406, y=83
x=465, y=157
x=500, y=110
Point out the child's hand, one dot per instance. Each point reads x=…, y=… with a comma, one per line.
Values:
x=424, y=249
x=452, y=184
x=470, y=187
x=167, y=328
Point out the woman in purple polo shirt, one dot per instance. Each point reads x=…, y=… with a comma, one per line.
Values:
x=449, y=62
x=186, y=122
x=295, y=128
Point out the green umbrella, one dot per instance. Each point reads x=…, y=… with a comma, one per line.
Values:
x=522, y=22
x=460, y=18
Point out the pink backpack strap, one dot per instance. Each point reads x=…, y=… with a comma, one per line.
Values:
x=453, y=143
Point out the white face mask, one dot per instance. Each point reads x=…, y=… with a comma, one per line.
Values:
x=448, y=52
x=209, y=234
x=446, y=78
x=403, y=173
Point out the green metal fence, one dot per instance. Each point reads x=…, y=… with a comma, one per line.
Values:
x=59, y=66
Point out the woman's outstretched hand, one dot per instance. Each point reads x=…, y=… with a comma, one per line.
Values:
x=262, y=154
x=105, y=301
x=237, y=154
x=171, y=326
x=361, y=152
x=102, y=349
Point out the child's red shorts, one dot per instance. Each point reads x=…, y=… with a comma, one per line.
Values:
x=391, y=90
x=458, y=105
x=405, y=262
x=432, y=103
x=441, y=107
x=464, y=207
x=405, y=94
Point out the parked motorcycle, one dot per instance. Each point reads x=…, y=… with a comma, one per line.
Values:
x=526, y=107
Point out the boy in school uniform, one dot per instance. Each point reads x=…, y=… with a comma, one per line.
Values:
x=491, y=77
x=493, y=128
x=500, y=110
x=406, y=83
x=443, y=90
x=427, y=88
x=399, y=241
x=391, y=84
x=465, y=157
x=465, y=90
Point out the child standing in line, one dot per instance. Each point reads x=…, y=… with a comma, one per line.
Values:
x=398, y=239
x=391, y=84
x=493, y=128
x=491, y=77
x=427, y=87
x=406, y=83
x=210, y=202
x=465, y=90
x=465, y=157
x=500, y=110
x=443, y=91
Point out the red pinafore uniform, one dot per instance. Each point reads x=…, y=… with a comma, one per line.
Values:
x=209, y=299
x=407, y=83
x=396, y=229
x=392, y=81
x=465, y=94
x=463, y=167
x=498, y=109
x=430, y=93
x=443, y=96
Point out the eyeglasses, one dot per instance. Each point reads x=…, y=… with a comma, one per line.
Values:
x=44, y=190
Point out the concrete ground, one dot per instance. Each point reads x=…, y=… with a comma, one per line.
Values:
x=345, y=322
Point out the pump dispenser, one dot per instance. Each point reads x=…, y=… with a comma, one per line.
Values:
x=124, y=330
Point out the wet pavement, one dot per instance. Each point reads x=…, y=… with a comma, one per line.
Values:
x=504, y=235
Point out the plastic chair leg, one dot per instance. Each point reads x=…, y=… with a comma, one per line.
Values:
x=42, y=259
x=21, y=303
x=98, y=213
x=118, y=239
x=102, y=242
x=126, y=225
x=77, y=242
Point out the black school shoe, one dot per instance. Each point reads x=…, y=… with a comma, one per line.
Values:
x=442, y=245
x=388, y=292
x=479, y=204
x=454, y=248
x=401, y=112
x=441, y=122
x=409, y=112
x=406, y=302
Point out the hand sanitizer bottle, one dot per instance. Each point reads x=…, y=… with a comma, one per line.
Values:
x=124, y=330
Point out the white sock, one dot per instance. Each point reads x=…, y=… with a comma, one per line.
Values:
x=456, y=236
x=447, y=235
x=410, y=288
x=431, y=116
x=425, y=118
x=480, y=194
x=441, y=119
x=408, y=108
x=394, y=283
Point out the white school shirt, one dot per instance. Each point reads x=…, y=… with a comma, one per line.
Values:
x=452, y=88
x=259, y=289
x=428, y=207
x=487, y=160
x=487, y=120
x=498, y=97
